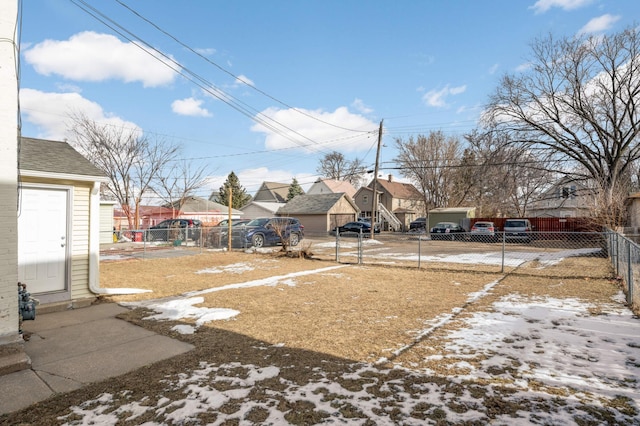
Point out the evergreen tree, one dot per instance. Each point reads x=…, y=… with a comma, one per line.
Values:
x=239, y=195
x=294, y=189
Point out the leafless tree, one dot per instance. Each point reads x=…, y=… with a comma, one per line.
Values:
x=502, y=178
x=177, y=182
x=129, y=159
x=335, y=166
x=429, y=162
x=578, y=101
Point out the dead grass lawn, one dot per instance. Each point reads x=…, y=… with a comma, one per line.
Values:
x=356, y=312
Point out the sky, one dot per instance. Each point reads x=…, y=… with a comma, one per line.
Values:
x=267, y=89
x=594, y=355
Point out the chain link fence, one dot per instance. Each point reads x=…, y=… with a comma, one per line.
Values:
x=545, y=254
x=624, y=253
x=536, y=254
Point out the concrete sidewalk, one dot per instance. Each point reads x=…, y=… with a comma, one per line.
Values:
x=76, y=347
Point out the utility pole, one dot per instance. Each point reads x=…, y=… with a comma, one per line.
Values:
x=229, y=236
x=374, y=198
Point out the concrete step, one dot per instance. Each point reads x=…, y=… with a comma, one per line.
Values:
x=13, y=358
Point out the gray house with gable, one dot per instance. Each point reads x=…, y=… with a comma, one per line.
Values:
x=320, y=213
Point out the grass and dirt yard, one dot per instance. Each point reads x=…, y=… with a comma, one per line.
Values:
x=313, y=341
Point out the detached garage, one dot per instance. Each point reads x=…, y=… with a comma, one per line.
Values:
x=58, y=223
x=460, y=215
x=320, y=213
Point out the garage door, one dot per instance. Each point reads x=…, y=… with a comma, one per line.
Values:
x=42, y=239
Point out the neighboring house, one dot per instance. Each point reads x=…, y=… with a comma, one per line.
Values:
x=633, y=214
x=149, y=216
x=58, y=223
x=256, y=209
x=459, y=215
x=321, y=213
x=107, y=223
x=565, y=198
x=272, y=192
x=328, y=186
x=398, y=203
x=209, y=212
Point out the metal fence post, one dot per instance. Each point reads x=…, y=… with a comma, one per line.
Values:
x=629, y=274
x=419, y=249
x=337, y=245
x=360, y=247
x=503, y=247
x=617, y=255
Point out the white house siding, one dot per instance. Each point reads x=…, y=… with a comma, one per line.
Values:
x=106, y=222
x=254, y=210
x=80, y=243
x=8, y=176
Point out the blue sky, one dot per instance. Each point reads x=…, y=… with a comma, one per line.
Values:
x=267, y=88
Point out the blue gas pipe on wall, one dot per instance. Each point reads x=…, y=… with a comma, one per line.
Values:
x=26, y=304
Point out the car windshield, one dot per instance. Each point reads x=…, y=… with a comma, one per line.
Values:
x=483, y=225
x=515, y=223
x=444, y=225
x=258, y=222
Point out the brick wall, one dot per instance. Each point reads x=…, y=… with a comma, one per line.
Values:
x=8, y=176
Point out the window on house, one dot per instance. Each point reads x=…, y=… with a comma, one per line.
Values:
x=569, y=191
x=365, y=199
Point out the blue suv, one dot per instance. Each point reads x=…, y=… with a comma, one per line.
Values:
x=269, y=231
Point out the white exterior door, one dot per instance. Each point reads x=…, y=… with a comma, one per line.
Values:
x=42, y=239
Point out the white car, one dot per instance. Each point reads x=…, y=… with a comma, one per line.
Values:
x=483, y=231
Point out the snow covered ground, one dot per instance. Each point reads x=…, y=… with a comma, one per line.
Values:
x=529, y=360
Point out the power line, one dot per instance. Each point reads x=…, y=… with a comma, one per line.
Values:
x=237, y=78
x=199, y=81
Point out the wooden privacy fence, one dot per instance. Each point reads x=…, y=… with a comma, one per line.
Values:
x=549, y=224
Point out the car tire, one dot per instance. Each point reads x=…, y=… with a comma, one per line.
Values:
x=257, y=241
x=294, y=239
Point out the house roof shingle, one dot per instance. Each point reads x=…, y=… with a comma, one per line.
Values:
x=403, y=191
x=314, y=204
x=199, y=204
x=339, y=186
x=40, y=155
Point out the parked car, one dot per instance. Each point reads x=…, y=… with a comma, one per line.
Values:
x=418, y=225
x=268, y=231
x=483, y=231
x=175, y=229
x=518, y=230
x=234, y=222
x=448, y=231
x=356, y=228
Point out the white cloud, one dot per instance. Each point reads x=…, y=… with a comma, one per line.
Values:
x=524, y=67
x=208, y=51
x=90, y=56
x=360, y=106
x=243, y=79
x=458, y=90
x=542, y=6
x=436, y=98
x=316, y=130
x=494, y=68
x=189, y=106
x=51, y=112
x=599, y=24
